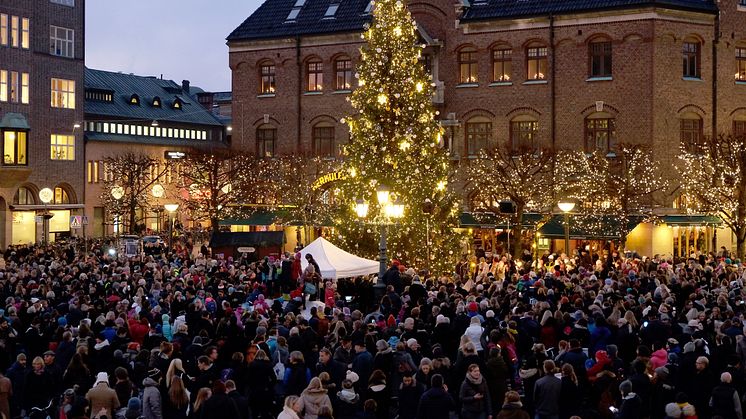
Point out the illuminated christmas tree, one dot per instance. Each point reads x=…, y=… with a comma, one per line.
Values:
x=395, y=141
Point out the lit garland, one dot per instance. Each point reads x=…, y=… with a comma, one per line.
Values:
x=713, y=175
x=395, y=141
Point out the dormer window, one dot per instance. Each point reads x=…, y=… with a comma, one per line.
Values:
x=135, y=100
x=156, y=102
x=177, y=103
x=295, y=10
x=331, y=11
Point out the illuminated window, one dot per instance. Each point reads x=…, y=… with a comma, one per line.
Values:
x=741, y=64
x=3, y=85
x=343, y=74
x=523, y=133
x=24, y=88
x=502, y=65
x=93, y=171
x=24, y=196
x=177, y=103
x=467, y=64
x=63, y=93
x=315, y=72
x=14, y=148
x=691, y=132
x=265, y=141
x=62, y=147
x=600, y=59
x=25, y=41
x=691, y=56
x=478, y=135
x=323, y=141
x=3, y=29
x=267, y=76
x=135, y=100
x=600, y=133
x=156, y=102
x=61, y=196
x=14, y=31
x=537, y=63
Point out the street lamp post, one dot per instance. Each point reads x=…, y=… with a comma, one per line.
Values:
x=45, y=195
x=389, y=210
x=171, y=208
x=566, y=206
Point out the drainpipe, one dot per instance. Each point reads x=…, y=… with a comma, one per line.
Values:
x=300, y=94
x=715, y=44
x=553, y=73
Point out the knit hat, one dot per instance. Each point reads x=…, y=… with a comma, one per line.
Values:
x=673, y=410
x=352, y=376
x=473, y=307
x=102, y=377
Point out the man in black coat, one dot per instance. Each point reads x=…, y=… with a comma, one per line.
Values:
x=393, y=278
x=436, y=403
x=242, y=403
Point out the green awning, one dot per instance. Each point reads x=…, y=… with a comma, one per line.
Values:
x=599, y=227
x=692, y=220
x=491, y=220
x=261, y=218
x=13, y=120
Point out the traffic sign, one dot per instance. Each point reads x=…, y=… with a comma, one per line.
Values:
x=76, y=221
x=85, y=220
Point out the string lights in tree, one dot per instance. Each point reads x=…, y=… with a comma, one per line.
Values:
x=395, y=140
x=713, y=175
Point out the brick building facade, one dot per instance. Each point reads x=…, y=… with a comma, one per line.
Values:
x=42, y=53
x=568, y=75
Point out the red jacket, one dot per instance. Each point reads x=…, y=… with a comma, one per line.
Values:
x=138, y=329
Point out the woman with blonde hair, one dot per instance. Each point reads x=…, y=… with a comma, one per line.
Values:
x=313, y=399
x=288, y=409
x=176, y=404
x=176, y=368
x=202, y=395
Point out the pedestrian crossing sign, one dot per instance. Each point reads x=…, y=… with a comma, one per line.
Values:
x=76, y=221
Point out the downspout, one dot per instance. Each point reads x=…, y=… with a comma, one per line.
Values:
x=715, y=43
x=553, y=84
x=300, y=94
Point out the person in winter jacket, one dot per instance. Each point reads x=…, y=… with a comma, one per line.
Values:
x=725, y=401
x=512, y=408
x=219, y=405
x=476, y=402
x=410, y=393
x=166, y=329
x=349, y=401
x=436, y=403
x=289, y=408
x=631, y=402
x=102, y=397
x=151, y=400
x=312, y=399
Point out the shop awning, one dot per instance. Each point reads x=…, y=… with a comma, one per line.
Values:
x=492, y=220
x=600, y=227
x=691, y=220
x=260, y=218
x=257, y=239
x=13, y=120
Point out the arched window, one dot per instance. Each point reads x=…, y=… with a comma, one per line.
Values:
x=315, y=75
x=502, y=64
x=24, y=196
x=478, y=134
x=599, y=54
x=343, y=73
x=692, y=51
x=267, y=78
x=537, y=63
x=739, y=125
x=156, y=102
x=600, y=132
x=61, y=196
x=135, y=100
x=691, y=131
x=467, y=64
x=523, y=131
x=323, y=140
x=177, y=103
x=266, y=136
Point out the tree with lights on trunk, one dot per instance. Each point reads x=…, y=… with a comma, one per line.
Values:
x=212, y=179
x=713, y=174
x=627, y=186
x=129, y=185
x=395, y=142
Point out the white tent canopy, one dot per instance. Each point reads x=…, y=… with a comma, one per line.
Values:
x=335, y=262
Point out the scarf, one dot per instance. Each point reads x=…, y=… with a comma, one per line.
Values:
x=474, y=381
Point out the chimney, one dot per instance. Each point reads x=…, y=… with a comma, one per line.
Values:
x=185, y=86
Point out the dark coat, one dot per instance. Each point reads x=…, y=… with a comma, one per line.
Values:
x=435, y=403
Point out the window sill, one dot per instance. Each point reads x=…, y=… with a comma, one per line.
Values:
x=472, y=156
x=501, y=83
x=699, y=79
x=265, y=95
x=599, y=78
x=741, y=82
x=741, y=8
x=535, y=82
x=467, y=85
x=342, y=92
x=313, y=93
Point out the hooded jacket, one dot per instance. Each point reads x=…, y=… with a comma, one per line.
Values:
x=151, y=400
x=312, y=399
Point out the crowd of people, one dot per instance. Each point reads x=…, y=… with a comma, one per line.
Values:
x=185, y=335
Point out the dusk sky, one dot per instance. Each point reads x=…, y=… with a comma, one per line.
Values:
x=181, y=39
